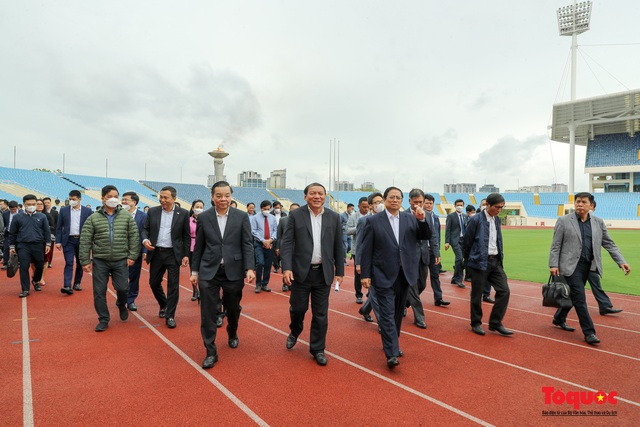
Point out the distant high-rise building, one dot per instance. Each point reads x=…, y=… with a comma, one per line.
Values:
x=251, y=179
x=368, y=186
x=278, y=178
x=489, y=188
x=343, y=186
x=460, y=188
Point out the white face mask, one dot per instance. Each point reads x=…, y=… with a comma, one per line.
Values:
x=131, y=207
x=276, y=211
x=265, y=213
x=73, y=203
x=459, y=209
x=30, y=209
x=112, y=202
x=198, y=211
x=378, y=208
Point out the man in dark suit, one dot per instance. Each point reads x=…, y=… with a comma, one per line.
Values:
x=69, y=225
x=578, y=239
x=389, y=261
x=167, y=237
x=482, y=248
x=130, y=202
x=454, y=233
x=222, y=258
x=7, y=216
x=312, y=254
x=434, y=250
x=282, y=225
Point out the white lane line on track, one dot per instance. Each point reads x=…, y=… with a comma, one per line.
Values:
x=27, y=394
x=244, y=408
x=382, y=377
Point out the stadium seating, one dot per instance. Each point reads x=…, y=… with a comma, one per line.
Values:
x=186, y=192
x=613, y=150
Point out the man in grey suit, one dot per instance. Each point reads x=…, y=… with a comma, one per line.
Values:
x=578, y=239
x=312, y=254
x=223, y=256
x=282, y=225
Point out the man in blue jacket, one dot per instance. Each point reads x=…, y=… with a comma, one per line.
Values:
x=482, y=248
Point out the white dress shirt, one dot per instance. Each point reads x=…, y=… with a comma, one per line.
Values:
x=74, y=227
x=222, y=224
x=493, y=234
x=164, y=234
x=316, y=227
x=394, y=220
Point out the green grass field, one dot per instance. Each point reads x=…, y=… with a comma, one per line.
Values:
x=527, y=258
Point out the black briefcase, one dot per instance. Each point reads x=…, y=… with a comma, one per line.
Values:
x=556, y=293
x=13, y=265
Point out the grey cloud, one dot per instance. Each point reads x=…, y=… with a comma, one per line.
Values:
x=508, y=156
x=433, y=144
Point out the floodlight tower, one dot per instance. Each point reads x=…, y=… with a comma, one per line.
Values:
x=573, y=20
x=218, y=165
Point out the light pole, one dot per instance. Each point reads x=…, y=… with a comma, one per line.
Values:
x=573, y=20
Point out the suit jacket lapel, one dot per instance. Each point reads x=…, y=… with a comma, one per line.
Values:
x=214, y=223
x=386, y=224
x=307, y=220
x=576, y=226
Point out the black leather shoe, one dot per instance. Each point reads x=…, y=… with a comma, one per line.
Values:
x=489, y=300
x=77, y=287
x=321, y=359
x=162, y=313
x=404, y=312
x=266, y=288
x=258, y=289
x=209, y=361
x=367, y=317
x=37, y=287
x=291, y=341
x=379, y=330
x=501, y=330
x=563, y=325
x=285, y=288
x=102, y=326
x=219, y=322
x=233, y=342
x=400, y=353
x=124, y=313
x=592, y=339
x=477, y=329
x=421, y=325
x=132, y=307
x=4, y=267
x=610, y=310
x=171, y=323
x=194, y=298
x=24, y=294
x=66, y=290
x=459, y=284
x=392, y=362
x=441, y=302
x=358, y=300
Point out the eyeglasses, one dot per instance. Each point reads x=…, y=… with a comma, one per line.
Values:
x=377, y=202
x=394, y=197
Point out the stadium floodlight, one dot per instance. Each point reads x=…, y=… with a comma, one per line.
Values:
x=573, y=20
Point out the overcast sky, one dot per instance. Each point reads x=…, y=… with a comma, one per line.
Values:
x=419, y=93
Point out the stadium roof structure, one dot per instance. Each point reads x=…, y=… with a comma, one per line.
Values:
x=602, y=115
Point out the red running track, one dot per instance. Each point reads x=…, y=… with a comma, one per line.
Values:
x=139, y=372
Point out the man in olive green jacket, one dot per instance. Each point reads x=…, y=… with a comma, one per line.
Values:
x=109, y=244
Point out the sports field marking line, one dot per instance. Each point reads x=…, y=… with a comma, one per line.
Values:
x=512, y=365
x=244, y=408
x=382, y=377
x=27, y=392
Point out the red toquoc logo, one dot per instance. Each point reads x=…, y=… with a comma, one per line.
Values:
x=576, y=398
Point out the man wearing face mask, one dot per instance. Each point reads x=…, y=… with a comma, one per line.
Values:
x=278, y=214
x=265, y=232
x=110, y=235
x=70, y=222
x=130, y=203
x=29, y=231
x=454, y=234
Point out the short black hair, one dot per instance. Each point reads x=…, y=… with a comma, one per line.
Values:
x=6, y=202
x=276, y=203
x=363, y=199
x=170, y=189
x=251, y=203
x=314, y=184
x=429, y=197
x=470, y=208
x=581, y=195
x=29, y=197
x=458, y=201
x=416, y=192
x=13, y=204
x=107, y=188
x=46, y=198
x=221, y=184
x=293, y=204
x=386, y=192
x=75, y=193
x=134, y=196
x=265, y=203
x=350, y=205
x=494, y=199
x=233, y=203
x=373, y=196
x=594, y=203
